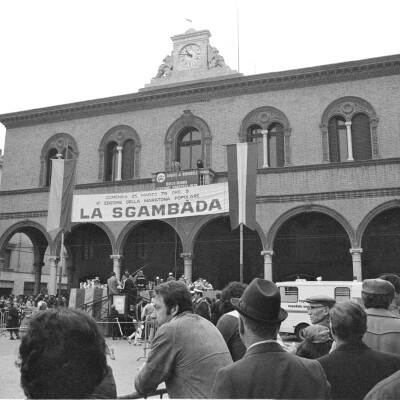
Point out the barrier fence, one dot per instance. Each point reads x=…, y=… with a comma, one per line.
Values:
x=3, y=322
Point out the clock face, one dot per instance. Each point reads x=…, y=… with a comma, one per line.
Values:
x=190, y=55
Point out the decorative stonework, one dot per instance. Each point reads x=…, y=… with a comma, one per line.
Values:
x=58, y=142
x=119, y=134
x=264, y=117
x=347, y=108
x=185, y=121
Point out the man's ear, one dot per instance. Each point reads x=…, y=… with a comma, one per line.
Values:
x=174, y=310
x=241, y=326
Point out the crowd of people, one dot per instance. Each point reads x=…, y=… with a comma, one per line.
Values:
x=349, y=351
x=14, y=308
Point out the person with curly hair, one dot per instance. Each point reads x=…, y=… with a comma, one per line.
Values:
x=228, y=323
x=63, y=356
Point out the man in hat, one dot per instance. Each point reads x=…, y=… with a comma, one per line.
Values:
x=395, y=281
x=187, y=350
x=266, y=370
x=383, y=332
x=318, y=309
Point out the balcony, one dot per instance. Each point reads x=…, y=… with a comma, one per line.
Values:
x=183, y=178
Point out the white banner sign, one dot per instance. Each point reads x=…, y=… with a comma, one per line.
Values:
x=155, y=204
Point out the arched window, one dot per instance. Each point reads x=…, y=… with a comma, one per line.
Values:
x=187, y=140
x=270, y=128
x=128, y=160
x=189, y=148
x=337, y=134
x=57, y=144
x=119, y=153
x=254, y=135
x=51, y=154
x=276, y=146
x=349, y=131
x=111, y=164
x=361, y=132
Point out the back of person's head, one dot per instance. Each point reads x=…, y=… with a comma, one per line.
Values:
x=316, y=342
x=349, y=321
x=175, y=293
x=377, y=293
x=231, y=290
x=218, y=295
x=62, y=355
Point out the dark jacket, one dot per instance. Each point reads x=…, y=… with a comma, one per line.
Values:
x=354, y=369
x=268, y=372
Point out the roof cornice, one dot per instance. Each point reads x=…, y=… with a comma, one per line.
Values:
x=204, y=90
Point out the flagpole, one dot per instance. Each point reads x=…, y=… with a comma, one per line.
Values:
x=61, y=266
x=241, y=252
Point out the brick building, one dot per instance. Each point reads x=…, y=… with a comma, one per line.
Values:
x=327, y=184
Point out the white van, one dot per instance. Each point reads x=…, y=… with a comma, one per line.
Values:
x=294, y=294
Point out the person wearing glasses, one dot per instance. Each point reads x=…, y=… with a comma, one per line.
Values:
x=318, y=309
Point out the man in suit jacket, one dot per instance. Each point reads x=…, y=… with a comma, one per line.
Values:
x=353, y=368
x=266, y=370
x=112, y=284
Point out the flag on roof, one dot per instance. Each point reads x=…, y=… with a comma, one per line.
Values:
x=61, y=192
x=242, y=176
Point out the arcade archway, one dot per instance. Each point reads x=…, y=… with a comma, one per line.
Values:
x=312, y=244
x=217, y=254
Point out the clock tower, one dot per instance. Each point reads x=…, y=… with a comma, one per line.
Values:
x=192, y=58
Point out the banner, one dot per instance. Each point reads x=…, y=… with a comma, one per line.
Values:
x=61, y=193
x=242, y=176
x=155, y=204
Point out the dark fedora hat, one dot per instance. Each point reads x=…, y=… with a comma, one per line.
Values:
x=261, y=301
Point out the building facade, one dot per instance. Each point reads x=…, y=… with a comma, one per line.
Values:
x=327, y=182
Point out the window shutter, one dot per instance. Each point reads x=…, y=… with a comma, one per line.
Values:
x=333, y=141
x=361, y=136
x=128, y=156
x=280, y=146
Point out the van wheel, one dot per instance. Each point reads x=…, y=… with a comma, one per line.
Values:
x=298, y=329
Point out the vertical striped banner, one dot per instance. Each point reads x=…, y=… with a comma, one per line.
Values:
x=61, y=192
x=242, y=177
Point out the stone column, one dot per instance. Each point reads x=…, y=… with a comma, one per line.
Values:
x=70, y=279
x=52, y=286
x=267, y=264
x=187, y=265
x=117, y=259
x=349, y=141
x=119, y=163
x=265, y=148
x=37, y=266
x=357, y=269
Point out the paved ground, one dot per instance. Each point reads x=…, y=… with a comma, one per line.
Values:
x=127, y=360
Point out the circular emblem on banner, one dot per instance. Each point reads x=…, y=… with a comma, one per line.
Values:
x=160, y=177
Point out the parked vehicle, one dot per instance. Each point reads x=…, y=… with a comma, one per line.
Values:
x=294, y=294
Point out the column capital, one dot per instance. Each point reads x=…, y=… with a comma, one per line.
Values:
x=356, y=251
x=267, y=253
x=187, y=256
x=348, y=123
x=264, y=132
x=116, y=257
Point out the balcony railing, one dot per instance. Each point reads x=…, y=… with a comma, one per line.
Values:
x=183, y=178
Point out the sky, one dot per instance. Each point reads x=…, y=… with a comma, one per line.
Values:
x=56, y=52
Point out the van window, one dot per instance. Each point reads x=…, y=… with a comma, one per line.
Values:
x=342, y=294
x=289, y=294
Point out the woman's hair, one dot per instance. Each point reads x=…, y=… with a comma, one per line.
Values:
x=62, y=355
x=232, y=289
